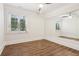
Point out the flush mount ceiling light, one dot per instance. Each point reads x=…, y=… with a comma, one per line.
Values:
x=42, y=5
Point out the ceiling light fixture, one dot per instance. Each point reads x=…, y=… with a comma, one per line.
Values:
x=41, y=6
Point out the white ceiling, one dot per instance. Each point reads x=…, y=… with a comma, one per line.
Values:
x=35, y=6
x=49, y=10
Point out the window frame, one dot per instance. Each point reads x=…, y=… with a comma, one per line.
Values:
x=9, y=25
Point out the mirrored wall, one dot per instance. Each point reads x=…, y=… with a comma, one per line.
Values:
x=68, y=25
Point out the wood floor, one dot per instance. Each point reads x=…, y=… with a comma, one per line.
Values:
x=38, y=48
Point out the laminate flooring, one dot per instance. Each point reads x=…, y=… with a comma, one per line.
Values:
x=38, y=48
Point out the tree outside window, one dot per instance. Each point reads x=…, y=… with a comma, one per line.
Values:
x=18, y=23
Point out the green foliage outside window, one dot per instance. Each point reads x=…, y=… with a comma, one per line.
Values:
x=22, y=24
x=14, y=24
x=17, y=24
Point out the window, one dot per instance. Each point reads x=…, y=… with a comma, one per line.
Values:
x=14, y=23
x=18, y=23
x=57, y=26
x=22, y=24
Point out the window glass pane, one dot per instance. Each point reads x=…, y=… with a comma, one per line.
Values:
x=22, y=24
x=57, y=26
x=14, y=23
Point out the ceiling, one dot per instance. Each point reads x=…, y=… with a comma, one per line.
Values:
x=35, y=6
x=48, y=10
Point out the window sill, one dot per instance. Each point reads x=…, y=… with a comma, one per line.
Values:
x=19, y=32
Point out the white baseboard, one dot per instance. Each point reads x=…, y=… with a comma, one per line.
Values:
x=23, y=40
x=1, y=49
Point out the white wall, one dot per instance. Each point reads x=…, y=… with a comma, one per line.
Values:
x=50, y=26
x=1, y=27
x=70, y=27
x=34, y=27
x=52, y=34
